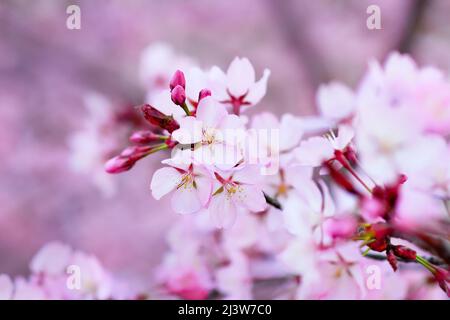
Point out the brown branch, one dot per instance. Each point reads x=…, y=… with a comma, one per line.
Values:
x=412, y=25
x=382, y=257
x=434, y=245
x=293, y=29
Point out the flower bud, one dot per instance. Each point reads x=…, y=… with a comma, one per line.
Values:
x=127, y=159
x=442, y=277
x=391, y=259
x=159, y=119
x=177, y=80
x=203, y=94
x=178, y=95
x=404, y=252
x=144, y=137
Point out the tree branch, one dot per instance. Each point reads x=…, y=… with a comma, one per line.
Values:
x=412, y=25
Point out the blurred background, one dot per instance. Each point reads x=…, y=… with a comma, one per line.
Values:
x=46, y=71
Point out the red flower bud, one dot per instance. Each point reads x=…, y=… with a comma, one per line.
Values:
x=159, y=119
x=178, y=95
x=203, y=94
x=404, y=252
x=144, y=137
x=442, y=276
x=126, y=160
x=178, y=80
x=391, y=259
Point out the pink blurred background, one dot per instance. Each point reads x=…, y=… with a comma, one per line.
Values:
x=46, y=69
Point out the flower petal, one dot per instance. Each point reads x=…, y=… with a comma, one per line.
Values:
x=314, y=151
x=164, y=180
x=185, y=200
x=259, y=89
x=190, y=131
x=223, y=211
x=251, y=197
x=210, y=112
x=240, y=76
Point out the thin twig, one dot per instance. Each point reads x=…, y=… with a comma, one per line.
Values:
x=382, y=257
x=412, y=25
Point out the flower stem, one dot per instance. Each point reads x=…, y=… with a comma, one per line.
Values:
x=349, y=168
x=159, y=147
x=186, y=109
x=426, y=264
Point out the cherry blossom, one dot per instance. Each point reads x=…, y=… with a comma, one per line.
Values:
x=214, y=131
x=190, y=184
x=316, y=150
x=237, y=87
x=237, y=190
x=311, y=200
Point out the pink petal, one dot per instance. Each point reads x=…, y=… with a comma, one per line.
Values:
x=185, y=200
x=164, y=180
x=314, y=151
x=248, y=174
x=223, y=211
x=290, y=131
x=335, y=101
x=251, y=197
x=241, y=76
x=218, y=84
x=210, y=112
x=265, y=120
x=204, y=185
x=259, y=89
x=190, y=131
x=345, y=136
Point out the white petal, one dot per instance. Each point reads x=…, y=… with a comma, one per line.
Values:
x=314, y=151
x=185, y=200
x=210, y=112
x=164, y=180
x=218, y=84
x=204, y=185
x=248, y=174
x=259, y=89
x=335, y=101
x=291, y=131
x=294, y=218
x=265, y=120
x=345, y=136
x=251, y=197
x=190, y=131
x=223, y=211
x=240, y=76
x=196, y=80
x=164, y=103
x=328, y=203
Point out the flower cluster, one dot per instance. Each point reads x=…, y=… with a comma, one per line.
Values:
x=59, y=272
x=297, y=199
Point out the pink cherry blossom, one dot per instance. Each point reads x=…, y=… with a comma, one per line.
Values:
x=215, y=132
x=316, y=150
x=238, y=87
x=190, y=185
x=237, y=190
